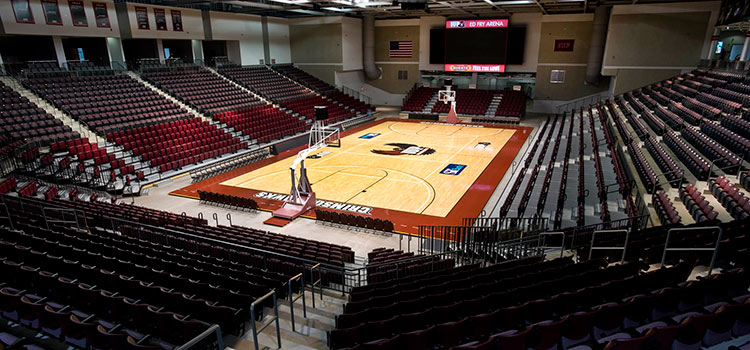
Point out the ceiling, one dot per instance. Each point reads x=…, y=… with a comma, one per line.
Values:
x=387, y=9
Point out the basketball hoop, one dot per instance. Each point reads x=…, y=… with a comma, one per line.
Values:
x=449, y=96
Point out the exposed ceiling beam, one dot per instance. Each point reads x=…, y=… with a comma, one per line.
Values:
x=456, y=7
x=544, y=11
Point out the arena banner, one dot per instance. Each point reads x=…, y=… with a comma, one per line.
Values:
x=161, y=19
x=477, y=23
x=481, y=68
x=78, y=13
x=100, y=12
x=141, y=16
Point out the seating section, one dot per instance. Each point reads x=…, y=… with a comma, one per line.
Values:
x=382, y=264
x=152, y=288
x=263, y=123
x=304, y=78
x=44, y=69
x=646, y=173
x=668, y=166
x=697, y=204
x=107, y=103
x=418, y=98
x=736, y=203
x=203, y=90
x=696, y=163
x=353, y=221
x=512, y=104
x=178, y=143
x=266, y=82
x=468, y=101
x=322, y=87
x=665, y=209
x=306, y=107
x=731, y=140
x=349, y=101
x=22, y=120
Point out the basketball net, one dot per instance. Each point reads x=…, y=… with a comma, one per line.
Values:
x=449, y=96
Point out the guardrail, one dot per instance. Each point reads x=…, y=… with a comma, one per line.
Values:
x=299, y=277
x=583, y=101
x=624, y=248
x=214, y=329
x=714, y=249
x=274, y=318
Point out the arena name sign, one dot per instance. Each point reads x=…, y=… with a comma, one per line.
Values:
x=488, y=68
x=477, y=23
x=352, y=208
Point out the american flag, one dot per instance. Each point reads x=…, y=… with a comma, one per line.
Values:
x=400, y=49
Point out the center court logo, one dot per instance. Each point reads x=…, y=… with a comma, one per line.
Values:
x=404, y=148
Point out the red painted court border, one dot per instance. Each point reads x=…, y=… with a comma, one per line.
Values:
x=470, y=204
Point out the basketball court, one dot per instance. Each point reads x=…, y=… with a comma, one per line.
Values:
x=394, y=169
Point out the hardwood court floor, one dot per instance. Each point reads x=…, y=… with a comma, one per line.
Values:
x=398, y=168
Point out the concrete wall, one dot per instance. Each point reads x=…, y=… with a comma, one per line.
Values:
x=278, y=40
x=317, y=46
x=396, y=30
x=577, y=27
x=40, y=26
x=245, y=30
x=649, y=43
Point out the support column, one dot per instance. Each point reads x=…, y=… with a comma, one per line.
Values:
x=714, y=40
x=160, y=50
x=744, y=55
x=59, y=50
x=198, y=52
x=474, y=79
x=266, y=41
x=2, y=66
x=116, y=54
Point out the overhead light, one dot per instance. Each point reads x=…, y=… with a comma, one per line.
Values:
x=337, y=9
x=365, y=3
x=513, y=2
x=344, y=2
x=307, y=12
x=292, y=2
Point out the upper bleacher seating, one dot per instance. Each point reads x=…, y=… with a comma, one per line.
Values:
x=306, y=107
x=20, y=119
x=512, y=104
x=418, y=99
x=266, y=82
x=203, y=90
x=107, y=103
x=468, y=101
x=304, y=78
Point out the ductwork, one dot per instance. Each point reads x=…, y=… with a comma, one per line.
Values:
x=596, y=48
x=368, y=44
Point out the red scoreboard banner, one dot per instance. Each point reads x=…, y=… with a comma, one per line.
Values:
x=477, y=23
x=482, y=68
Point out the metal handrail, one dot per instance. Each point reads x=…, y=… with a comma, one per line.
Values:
x=623, y=248
x=299, y=277
x=62, y=221
x=7, y=212
x=715, y=249
x=562, y=244
x=214, y=329
x=273, y=319
x=314, y=283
